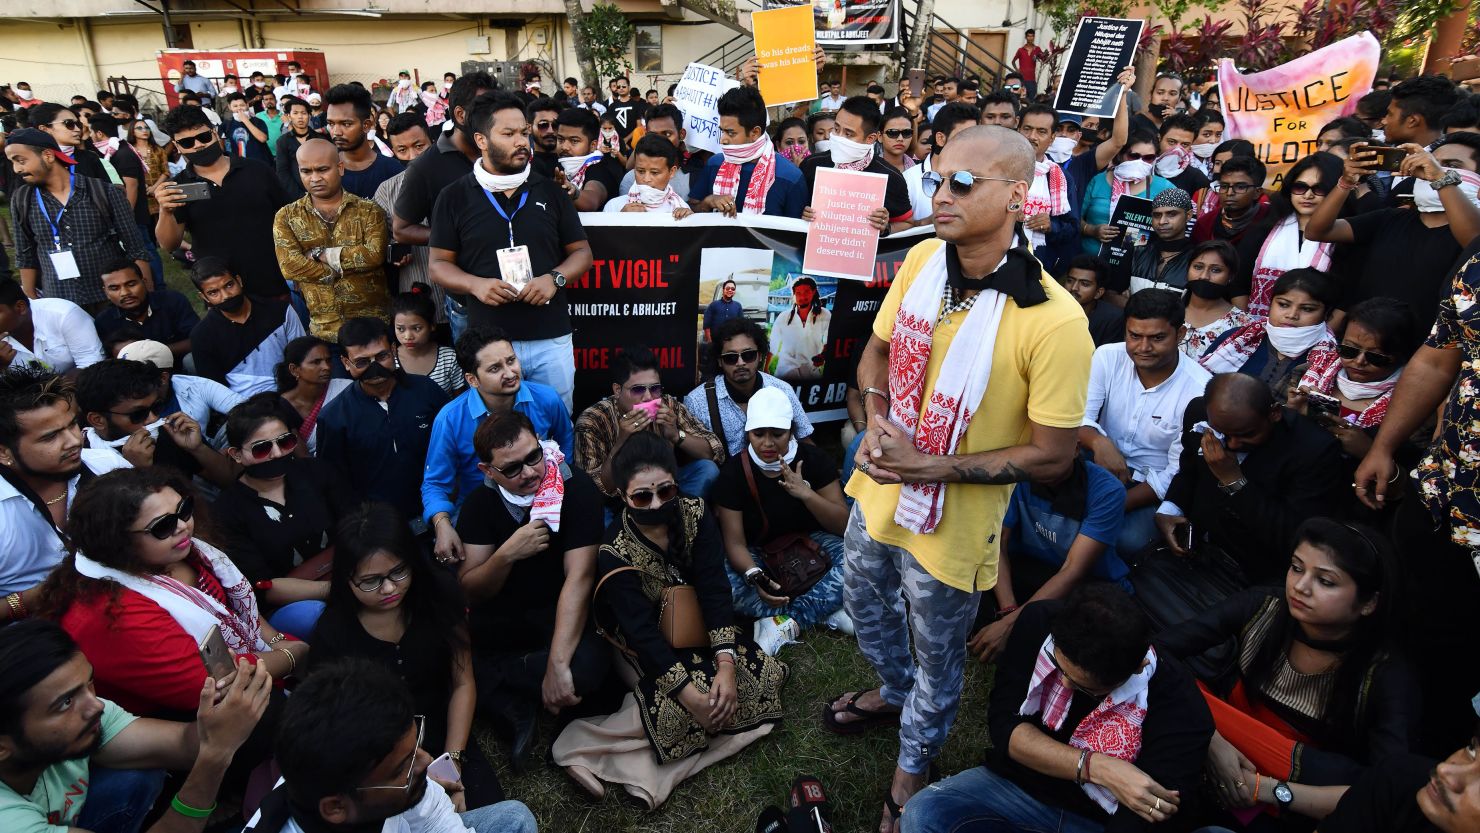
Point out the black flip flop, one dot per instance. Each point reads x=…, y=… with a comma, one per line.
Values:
x=867, y=719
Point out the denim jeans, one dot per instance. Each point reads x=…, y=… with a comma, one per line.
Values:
x=696, y=478
x=457, y=317
x=819, y=602
x=119, y=799
x=552, y=362
x=503, y=817
x=156, y=265
x=981, y=801
x=1138, y=531
x=298, y=618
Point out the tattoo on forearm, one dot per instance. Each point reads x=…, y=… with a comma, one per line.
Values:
x=1008, y=473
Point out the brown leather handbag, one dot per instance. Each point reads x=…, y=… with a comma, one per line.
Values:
x=793, y=560
x=317, y=568
x=680, y=618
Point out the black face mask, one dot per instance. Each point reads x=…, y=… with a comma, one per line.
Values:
x=1157, y=110
x=377, y=371
x=206, y=156
x=1207, y=290
x=271, y=469
x=665, y=515
x=233, y=303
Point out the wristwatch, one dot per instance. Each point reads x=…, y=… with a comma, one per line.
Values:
x=559, y=277
x=1283, y=795
x=754, y=575
x=1449, y=178
x=1234, y=487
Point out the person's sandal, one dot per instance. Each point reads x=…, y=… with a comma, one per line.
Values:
x=895, y=810
x=586, y=779
x=867, y=719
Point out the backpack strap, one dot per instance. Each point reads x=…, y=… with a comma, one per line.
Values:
x=754, y=492
x=715, y=422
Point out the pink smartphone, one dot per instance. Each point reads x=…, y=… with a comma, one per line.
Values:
x=649, y=407
x=443, y=769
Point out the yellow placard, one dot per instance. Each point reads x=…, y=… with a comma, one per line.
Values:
x=784, y=44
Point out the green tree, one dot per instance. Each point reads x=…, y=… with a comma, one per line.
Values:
x=607, y=36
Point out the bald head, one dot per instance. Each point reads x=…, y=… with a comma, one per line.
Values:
x=320, y=168
x=1238, y=391
x=994, y=150
x=1242, y=409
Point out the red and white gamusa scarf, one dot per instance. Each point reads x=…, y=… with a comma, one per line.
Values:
x=193, y=610
x=727, y=179
x=654, y=200
x=937, y=426
x=1049, y=194
x=1322, y=375
x=544, y=504
x=1285, y=248
x=1114, y=726
x=575, y=168
x=1234, y=352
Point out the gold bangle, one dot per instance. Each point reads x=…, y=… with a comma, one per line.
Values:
x=292, y=662
x=17, y=607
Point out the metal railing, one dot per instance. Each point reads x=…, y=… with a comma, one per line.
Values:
x=950, y=51
x=729, y=55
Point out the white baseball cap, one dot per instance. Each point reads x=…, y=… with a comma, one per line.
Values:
x=768, y=408
x=150, y=351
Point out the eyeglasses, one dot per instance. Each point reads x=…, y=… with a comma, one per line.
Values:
x=1053, y=657
x=285, y=445
x=544, y=125
x=742, y=357
x=365, y=361
x=514, y=469
x=1235, y=187
x=1350, y=352
x=644, y=390
x=421, y=733
x=70, y=124
x=900, y=133
x=164, y=526
x=1144, y=157
x=1300, y=189
x=188, y=142
x=138, y=415
x=643, y=498
x=369, y=584
x=961, y=182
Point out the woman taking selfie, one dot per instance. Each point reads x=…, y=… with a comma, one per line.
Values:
x=1282, y=245
x=699, y=694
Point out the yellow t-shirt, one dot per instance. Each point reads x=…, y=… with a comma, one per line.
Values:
x=1040, y=372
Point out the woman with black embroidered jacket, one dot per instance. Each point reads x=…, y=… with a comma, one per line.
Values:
x=1318, y=694
x=689, y=707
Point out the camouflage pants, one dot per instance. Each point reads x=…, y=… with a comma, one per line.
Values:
x=878, y=581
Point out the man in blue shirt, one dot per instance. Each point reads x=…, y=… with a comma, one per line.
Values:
x=721, y=309
x=495, y=386
x=377, y=431
x=1063, y=531
x=746, y=147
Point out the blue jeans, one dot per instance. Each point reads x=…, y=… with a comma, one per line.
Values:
x=981, y=801
x=156, y=265
x=552, y=362
x=819, y=602
x=119, y=799
x=457, y=317
x=299, y=305
x=848, y=465
x=696, y=478
x=1138, y=530
x=300, y=619
x=503, y=817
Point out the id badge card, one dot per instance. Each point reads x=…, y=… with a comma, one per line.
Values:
x=65, y=264
x=514, y=266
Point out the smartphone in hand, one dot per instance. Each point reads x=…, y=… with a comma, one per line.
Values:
x=219, y=660
x=1388, y=158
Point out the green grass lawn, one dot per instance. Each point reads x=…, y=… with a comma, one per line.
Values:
x=727, y=797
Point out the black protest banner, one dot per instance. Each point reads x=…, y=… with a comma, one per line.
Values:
x=1102, y=47
x=840, y=22
x=1133, y=216
x=653, y=276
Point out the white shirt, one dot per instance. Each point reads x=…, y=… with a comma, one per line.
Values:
x=912, y=181
x=65, y=339
x=831, y=102
x=433, y=814
x=1144, y=423
x=797, y=341
x=29, y=542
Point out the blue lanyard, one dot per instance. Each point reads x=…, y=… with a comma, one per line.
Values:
x=508, y=218
x=56, y=231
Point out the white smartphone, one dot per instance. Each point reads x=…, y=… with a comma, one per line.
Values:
x=443, y=769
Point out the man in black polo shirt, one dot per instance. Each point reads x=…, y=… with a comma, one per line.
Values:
x=376, y=432
x=236, y=222
x=296, y=131
x=349, y=114
x=854, y=135
x=163, y=315
x=542, y=113
x=439, y=167
x=588, y=175
x=502, y=205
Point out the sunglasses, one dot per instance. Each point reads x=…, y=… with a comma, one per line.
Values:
x=1144, y=157
x=1235, y=187
x=188, y=142
x=513, y=469
x=904, y=133
x=1300, y=189
x=421, y=734
x=1012, y=87
x=644, y=390
x=1374, y=358
x=370, y=584
x=70, y=124
x=544, y=125
x=961, y=182
x=138, y=415
x=285, y=444
x=164, y=526
x=365, y=361
x=643, y=498
x=742, y=357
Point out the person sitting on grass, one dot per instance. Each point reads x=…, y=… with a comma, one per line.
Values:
x=654, y=164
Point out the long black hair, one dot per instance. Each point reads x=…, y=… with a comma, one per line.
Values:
x=1326, y=165
x=1365, y=555
x=295, y=352
x=432, y=597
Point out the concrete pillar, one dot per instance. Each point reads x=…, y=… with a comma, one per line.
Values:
x=84, y=36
